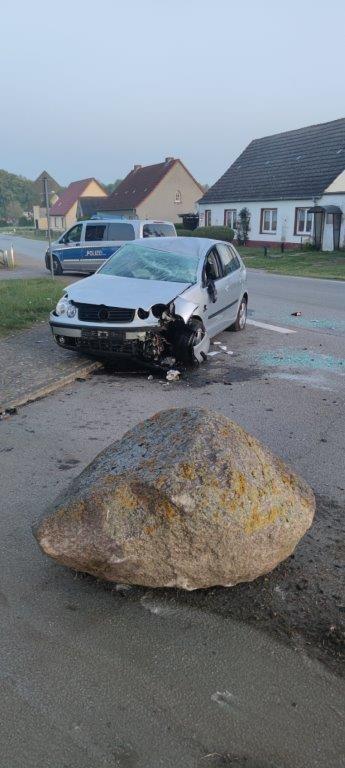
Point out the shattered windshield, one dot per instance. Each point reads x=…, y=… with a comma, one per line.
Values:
x=145, y=263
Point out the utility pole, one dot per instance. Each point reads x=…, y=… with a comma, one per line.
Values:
x=46, y=195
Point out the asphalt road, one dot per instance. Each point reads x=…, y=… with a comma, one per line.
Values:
x=93, y=677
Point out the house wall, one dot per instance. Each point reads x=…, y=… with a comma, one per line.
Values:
x=160, y=204
x=92, y=190
x=285, y=218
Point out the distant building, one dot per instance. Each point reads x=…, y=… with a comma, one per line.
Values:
x=161, y=191
x=293, y=185
x=39, y=209
x=63, y=212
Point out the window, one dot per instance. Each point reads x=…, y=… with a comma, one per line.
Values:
x=303, y=221
x=95, y=231
x=121, y=231
x=207, y=218
x=74, y=234
x=268, y=220
x=230, y=218
x=228, y=259
x=157, y=229
x=212, y=269
x=144, y=263
x=178, y=196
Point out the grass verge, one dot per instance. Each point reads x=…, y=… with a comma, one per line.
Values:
x=24, y=302
x=301, y=264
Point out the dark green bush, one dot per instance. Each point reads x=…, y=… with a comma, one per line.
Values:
x=214, y=233
x=184, y=232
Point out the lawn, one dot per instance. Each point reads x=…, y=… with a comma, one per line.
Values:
x=302, y=264
x=24, y=302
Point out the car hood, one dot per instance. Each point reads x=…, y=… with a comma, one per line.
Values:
x=124, y=291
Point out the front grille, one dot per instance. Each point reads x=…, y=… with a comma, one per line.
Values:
x=113, y=341
x=99, y=313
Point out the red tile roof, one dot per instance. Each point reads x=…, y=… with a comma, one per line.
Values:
x=69, y=197
x=137, y=186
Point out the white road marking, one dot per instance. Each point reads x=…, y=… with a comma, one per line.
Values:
x=269, y=327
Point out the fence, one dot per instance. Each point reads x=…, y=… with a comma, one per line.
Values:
x=7, y=258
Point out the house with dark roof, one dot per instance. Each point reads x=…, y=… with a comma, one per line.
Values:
x=63, y=212
x=160, y=191
x=293, y=185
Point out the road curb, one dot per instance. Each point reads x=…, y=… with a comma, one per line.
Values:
x=37, y=393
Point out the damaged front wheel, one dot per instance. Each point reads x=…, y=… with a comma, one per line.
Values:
x=193, y=343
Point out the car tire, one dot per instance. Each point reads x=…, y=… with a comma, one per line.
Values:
x=192, y=336
x=241, y=319
x=57, y=268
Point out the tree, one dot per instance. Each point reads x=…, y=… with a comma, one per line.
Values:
x=112, y=186
x=243, y=226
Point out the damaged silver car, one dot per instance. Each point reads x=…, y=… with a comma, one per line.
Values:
x=155, y=301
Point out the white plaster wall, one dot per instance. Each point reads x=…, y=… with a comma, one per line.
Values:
x=285, y=218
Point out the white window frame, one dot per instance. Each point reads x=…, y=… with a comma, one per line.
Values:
x=230, y=220
x=271, y=212
x=304, y=231
x=178, y=197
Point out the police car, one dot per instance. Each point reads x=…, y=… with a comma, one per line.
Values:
x=88, y=244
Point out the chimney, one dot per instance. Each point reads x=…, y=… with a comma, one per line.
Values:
x=136, y=167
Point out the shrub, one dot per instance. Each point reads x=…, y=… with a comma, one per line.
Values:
x=214, y=233
x=243, y=226
x=184, y=232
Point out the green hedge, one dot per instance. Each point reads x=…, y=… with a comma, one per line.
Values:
x=214, y=233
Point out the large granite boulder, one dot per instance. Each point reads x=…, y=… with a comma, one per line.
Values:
x=185, y=499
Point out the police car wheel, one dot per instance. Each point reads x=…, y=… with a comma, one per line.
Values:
x=57, y=268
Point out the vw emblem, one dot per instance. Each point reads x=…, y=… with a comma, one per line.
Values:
x=103, y=314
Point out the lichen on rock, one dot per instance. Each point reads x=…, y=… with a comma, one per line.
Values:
x=185, y=499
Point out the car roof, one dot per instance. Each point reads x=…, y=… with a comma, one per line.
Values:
x=113, y=220
x=194, y=246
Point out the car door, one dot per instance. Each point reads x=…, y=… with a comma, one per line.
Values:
x=214, y=297
x=71, y=252
x=93, y=251
x=231, y=284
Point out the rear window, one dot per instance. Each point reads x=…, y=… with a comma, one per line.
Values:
x=118, y=231
x=156, y=229
x=95, y=231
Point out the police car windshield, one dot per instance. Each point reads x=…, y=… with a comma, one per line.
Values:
x=145, y=263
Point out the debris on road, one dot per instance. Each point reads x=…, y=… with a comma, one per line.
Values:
x=296, y=314
x=173, y=375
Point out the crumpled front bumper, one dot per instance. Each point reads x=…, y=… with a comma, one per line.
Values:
x=100, y=341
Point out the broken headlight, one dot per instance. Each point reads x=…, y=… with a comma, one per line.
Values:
x=65, y=307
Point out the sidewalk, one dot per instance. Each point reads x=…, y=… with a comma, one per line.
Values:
x=32, y=365
x=25, y=266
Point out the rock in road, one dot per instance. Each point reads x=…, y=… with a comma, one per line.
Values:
x=185, y=499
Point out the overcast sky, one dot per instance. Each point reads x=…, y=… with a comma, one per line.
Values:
x=90, y=88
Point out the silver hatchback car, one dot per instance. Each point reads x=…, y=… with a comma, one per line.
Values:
x=154, y=300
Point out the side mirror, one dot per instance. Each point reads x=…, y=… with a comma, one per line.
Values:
x=211, y=289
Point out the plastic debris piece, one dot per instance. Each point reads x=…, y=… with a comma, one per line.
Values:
x=150, y=378
x=212, y=354
x=229, y=352
x=296, y=314
x=173, y=375
x=223, y=347
x=216, y=343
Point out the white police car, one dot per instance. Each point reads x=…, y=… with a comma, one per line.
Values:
x=88, y=244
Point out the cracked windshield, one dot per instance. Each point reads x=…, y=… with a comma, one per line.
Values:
x=145, y=263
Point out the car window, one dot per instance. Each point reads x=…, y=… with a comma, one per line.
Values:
x=121, y=231
x=74, y=234
x=144, y=263
x=212, y=271
x=158, y=229
x=95, y=231
x=228, y=259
